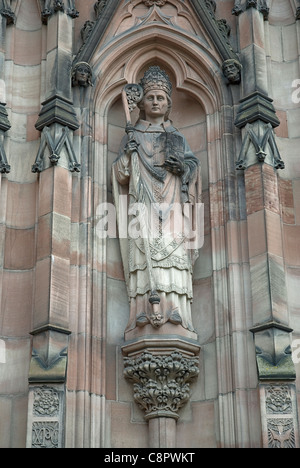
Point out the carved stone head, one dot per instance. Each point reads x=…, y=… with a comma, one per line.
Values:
x=232, y=71
x=156, y=79
x=82, y=75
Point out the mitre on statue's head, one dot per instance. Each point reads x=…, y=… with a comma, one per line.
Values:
x=156, y=79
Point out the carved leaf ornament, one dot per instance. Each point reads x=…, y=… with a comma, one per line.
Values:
x=161, y=383
x=150, y=3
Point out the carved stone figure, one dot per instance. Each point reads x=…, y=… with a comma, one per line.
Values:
x=237, y=9
x=160, y=176
x=99, y=7
x=232, y=71
x=82, y=75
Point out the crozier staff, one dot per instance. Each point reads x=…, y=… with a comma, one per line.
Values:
x=158, y=171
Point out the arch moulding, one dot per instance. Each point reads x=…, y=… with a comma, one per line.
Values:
x=196, y=71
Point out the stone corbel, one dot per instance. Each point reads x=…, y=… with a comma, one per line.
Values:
x=161, y=370
x=161, y=382
x=273, y=352
x=82, y=75
x=232, y=71
x=49, y=355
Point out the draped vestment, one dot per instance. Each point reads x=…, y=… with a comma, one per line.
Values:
x=156, y=253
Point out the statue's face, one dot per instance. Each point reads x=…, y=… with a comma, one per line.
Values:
x=82, y=74
x=155, y=104
x=231, y=71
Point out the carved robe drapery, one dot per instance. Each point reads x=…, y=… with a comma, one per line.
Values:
x=156, y=198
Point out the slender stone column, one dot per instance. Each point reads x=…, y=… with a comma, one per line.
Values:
x=55, y=163
x=260, y=160
x=162, y=432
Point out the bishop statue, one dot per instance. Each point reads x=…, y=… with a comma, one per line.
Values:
x=160, y=177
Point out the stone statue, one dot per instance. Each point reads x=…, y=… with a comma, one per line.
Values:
x=158, y=172
x=82, y=75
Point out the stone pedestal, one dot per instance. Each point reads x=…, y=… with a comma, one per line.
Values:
x=161, y=370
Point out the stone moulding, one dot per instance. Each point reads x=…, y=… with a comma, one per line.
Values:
x=94, y=30
x=57, y=110
x=256, y=106
x=218, y=30
x=273, y=352
x=161, y=383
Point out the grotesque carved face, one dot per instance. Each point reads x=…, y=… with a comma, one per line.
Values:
x=156, y=105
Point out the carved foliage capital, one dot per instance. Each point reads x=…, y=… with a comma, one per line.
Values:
x=53, y=6
x=161, y=383
x=260, y=5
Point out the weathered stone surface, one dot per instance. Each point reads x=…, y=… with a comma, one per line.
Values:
x=63, y=297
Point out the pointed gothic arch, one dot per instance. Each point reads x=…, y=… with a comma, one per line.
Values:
x=196, y=69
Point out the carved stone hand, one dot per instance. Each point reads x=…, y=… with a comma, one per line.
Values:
x=174, y=165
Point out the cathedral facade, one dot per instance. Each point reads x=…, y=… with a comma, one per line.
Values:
x=97, y=349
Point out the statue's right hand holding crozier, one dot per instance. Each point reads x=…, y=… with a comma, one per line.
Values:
x=130, y=148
